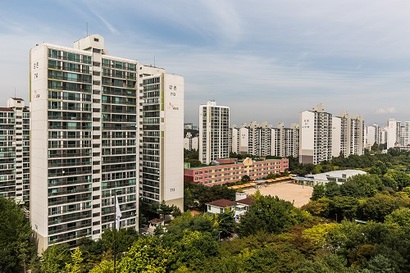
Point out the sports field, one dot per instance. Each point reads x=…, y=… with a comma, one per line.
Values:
x=294, y=193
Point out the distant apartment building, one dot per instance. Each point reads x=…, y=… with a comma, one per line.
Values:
x=15, y=151
x=315, y=143
x=264, y=140
x=190, y=142
x=323, y=136
x=351, y=135
x=392, y=133
x=214, y=124
x=104, y=128
x=372, y=135
x=233, y=172
x=286, y=141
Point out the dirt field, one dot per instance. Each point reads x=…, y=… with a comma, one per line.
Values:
x=296, y=194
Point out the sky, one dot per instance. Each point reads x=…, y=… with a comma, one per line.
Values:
x=266, y=60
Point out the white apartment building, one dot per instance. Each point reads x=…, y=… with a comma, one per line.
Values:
x=263, y=140
x=214, y=135
x=323, y=136
x=352, y=135
x=190, y=142
x=315, y=143
x=162, y=155
x=372, y=135
x=14, y=151
x=392, y=133
x=99, y=124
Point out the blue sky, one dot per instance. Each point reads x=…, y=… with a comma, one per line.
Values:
x=266, y=60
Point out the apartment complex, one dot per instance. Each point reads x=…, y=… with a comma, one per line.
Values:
x=233, y=172
x=214, y=124
x=264, y=140
x=323, y=136
x=103, y=127
x=15, y=151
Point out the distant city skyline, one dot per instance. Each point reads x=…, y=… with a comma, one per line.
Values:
x=267, y=62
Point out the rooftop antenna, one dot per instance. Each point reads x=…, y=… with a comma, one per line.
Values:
x=15, y=92
x=154, y=60
x=87, y=28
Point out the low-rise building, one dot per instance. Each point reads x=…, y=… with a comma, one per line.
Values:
x=230, y=173
x=339, y=177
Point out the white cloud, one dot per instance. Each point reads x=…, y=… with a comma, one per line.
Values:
x=388, y=110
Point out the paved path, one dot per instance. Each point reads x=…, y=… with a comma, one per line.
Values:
x=294, y=193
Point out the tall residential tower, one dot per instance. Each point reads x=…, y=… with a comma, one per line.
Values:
x=14, y=151
x=214, y=135
x=95, y=120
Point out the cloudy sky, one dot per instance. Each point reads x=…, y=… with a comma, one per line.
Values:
x=266, y=60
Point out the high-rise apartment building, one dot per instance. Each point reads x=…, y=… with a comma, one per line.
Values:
x=263, y=140
x=214, y=132
x=14, y=151
x=162, y=154
x=323, y=136
x=100, y=128
x=352, y=135
x=315, y=143
x=392, y=133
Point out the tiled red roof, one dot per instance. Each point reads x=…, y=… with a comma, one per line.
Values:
x=247, y=201
x=222, y=203
x=155, y=221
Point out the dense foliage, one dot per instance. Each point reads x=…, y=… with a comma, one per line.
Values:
x=360, y=226
x=16, y=242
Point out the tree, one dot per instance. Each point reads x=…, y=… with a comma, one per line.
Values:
x=245, y=179
x=148, y=255
x=319, y=191
x=330, y=263
x=76, y=260
x=226, y=223
x=269, y=214
x=378, y=207
x=105, y=266
x=55, y=258
x=124, y=238
x=16, y=244
x=400, y=216
x=362, y=185
x=193, y=250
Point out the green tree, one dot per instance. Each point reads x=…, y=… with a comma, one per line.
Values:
x=76, y=261
x=401, y=178
x=330, y=263
x=55, y=258
x=319, y=191
x=269, y=214
x=16, y=244
x=400, y=216
x=193, y=250
x=105, y=266
x=343, y=207
x=226, y=223
x=148, y=255
x=378, y=207
x=362, y=185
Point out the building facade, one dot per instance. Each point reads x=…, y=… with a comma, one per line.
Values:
x=15, y=151
x=230, y=173
x=263, y=140
x=214, y=132
x=323, y=136
x=95, y=117
x=315, y=143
